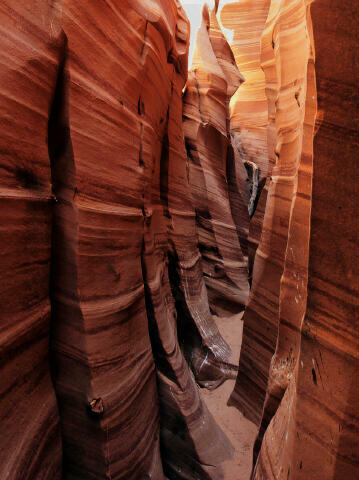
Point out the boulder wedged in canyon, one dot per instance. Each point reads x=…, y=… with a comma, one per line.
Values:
x=212, y=80
x=30, y=442
x=249, y=105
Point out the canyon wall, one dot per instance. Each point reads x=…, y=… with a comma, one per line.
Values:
x=299, y=360
x=101, y=233
x=30, y=437
x=249, y=105
x=213, y=79
x=142, y=204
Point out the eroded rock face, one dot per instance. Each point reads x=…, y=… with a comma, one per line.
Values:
x=107, y=96
x=212, y=80
x=285, y=140
x=30, y=431
x=295, y=380
x=319, y=409
x=126, y=227
x=249, y=105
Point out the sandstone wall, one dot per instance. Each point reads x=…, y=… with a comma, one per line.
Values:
x=97, y=220
x=30, y=54
x=126, y=230
x=296, y=376
x=213, y=79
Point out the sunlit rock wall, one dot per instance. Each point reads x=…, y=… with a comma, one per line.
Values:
x=244, y=23
x=213, y=78
x=297, y=374
x=319, y=411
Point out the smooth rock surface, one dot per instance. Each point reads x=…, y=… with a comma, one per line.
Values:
x=30, y=441
x=98, y=216
x=299, y=360
x=319, y=410
x=212, y=80
x=138, y=208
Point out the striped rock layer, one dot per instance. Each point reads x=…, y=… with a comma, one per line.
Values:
x=126, y=225
x=245, y=20
x=299, y=360
x=29, y=56
x=213, y=78
x=99, y=248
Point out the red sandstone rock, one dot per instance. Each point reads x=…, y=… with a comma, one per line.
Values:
x=94, y=158
x=112, y=152
x=249, y=105
x=212, y=80
x=319, y=412
x=286, y=100
x=115, y=217
x=30, y=443
x=290, y=355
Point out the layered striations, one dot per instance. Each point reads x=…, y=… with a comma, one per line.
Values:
x=249, y=108
x=115, y=323
x=245, y=22
x=299, y=357
x=212, y=81
x=139, y=205
x=286, y=104
x=101, y=166
x=314, y=433
x=30, y=37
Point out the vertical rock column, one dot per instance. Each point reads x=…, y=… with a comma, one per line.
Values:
x=207, y=143
x=285, y=55
x=314, y=433
x=31, y=42
x=191, y=442
x=117, y=133
x=249, y=106
x=102, y=160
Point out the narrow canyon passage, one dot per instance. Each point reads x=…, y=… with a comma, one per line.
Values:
x=178, y=249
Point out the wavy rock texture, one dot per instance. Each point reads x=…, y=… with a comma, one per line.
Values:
x=319, y=413
x=120, y=213
x=295, y=379
x=249, y=105
x=125, y=230
x=107, y=177
x=29, y=56
x=249, y=108
x=286, y=105
x=212, y=81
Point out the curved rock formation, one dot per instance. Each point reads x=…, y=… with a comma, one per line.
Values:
x=249, y=105
x=212, y=81
x=289, y=380
x=30, y=432
x=127, y=239
x=319, y=411
x=122, y=381
x=286, y=105
x=249, y=109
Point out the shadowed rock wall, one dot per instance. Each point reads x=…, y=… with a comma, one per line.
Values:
x=97, y=220
x=30, y=56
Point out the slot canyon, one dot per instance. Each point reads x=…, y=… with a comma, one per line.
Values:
x=178, y=240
